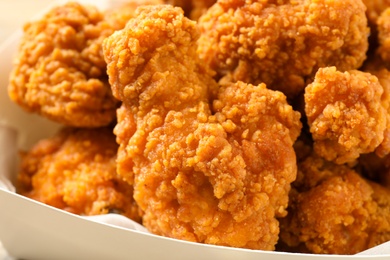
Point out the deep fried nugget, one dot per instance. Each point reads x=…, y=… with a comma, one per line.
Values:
x=76, y=171
x=374, y=9
x=219, y=179
x=262, y=127
x=59, y=71
x=345, y=114
x=383, y=24
x=282, y=43
x=120, y=13
x=333, y=210
x=383, y=75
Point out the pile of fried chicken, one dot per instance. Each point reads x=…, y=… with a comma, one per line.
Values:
x=252, y=124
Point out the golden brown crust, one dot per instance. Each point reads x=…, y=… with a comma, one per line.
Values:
x=59, y=71
x=280, y=43
x=76, y=171
x=374, y=9
x=383, y=26
x=119, y=14
x=333, y=210
x=197, y=176
x=383, y=76
x=345, y=114
x=209, y=161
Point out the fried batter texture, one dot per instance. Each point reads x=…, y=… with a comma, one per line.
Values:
x=217, y=176
x=59, y=71
x=383, y=24
x=333, y=210
x=120, y=13
x=375, y=9
x=205, y=146
x=345, y=113
x=383, y=76
x=282, y=43
x=76, y=171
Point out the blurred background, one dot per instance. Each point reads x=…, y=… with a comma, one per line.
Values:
x=14, y=13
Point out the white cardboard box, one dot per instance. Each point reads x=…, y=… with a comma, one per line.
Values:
x=32, y=230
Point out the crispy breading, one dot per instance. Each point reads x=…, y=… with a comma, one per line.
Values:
x=60, y=72
x=219, y=177
x=345, y=114
x=374, y=9
x=282, y=43
x=333, y=210
x=75, y=170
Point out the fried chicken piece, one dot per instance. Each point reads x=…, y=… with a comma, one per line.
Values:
x=374, y=9
x=59, y=71
x=383, y=76
x=218, y=179
x=333, y=210
x=75, y=170
x=345, y=114
x=282, y=43
x=383, y=24
x=120, y=13
x=373, y=12
x=192, y=8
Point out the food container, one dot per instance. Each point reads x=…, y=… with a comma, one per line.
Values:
x=32, y=230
